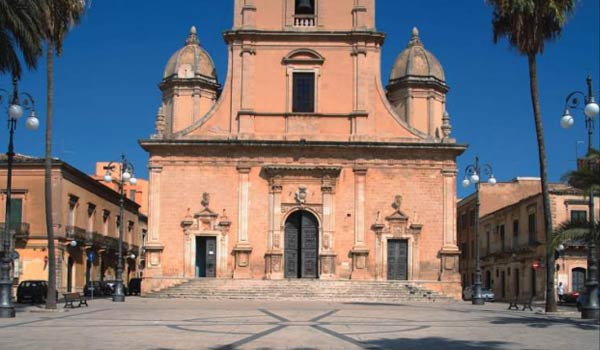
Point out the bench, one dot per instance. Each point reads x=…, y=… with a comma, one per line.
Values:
x=526, y=302
x=513, y=303
x=70, y=298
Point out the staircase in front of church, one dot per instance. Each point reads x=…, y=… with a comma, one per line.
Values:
x=302, y=289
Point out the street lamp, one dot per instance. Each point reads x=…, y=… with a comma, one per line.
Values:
x=591, y=308
x=472, y=175
x=16, y=107
x=126, y=176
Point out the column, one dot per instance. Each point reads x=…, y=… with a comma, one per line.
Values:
x=359, y=251
x=242, y=248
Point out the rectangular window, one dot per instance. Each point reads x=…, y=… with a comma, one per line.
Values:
x=472, y=218
x=532, y=228
x=515, y=234
x=488, y=248
x=105, y=217
x=16, y=214
x=132, y=195
x=472, y=249
x=464, y=221
x=578, y=216
x=303, y=100
x=502, y=238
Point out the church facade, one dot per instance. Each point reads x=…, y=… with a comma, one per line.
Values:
x=303, y=165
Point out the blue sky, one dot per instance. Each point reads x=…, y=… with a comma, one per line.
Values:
x=106, y=93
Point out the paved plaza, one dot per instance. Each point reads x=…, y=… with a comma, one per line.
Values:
x=178, y=324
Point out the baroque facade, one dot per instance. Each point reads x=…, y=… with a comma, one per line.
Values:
x=513, y=240
x=303, y=165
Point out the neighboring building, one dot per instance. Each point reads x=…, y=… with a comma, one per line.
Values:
x=137, y=193
x=85, y=212
x=303, y=165
x=513, y=240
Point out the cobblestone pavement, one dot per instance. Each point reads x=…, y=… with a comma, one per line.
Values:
x=178, y=324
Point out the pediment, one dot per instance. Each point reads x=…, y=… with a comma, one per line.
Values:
x=303, y=56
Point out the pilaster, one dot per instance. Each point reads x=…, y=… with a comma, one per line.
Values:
x=359, y=252
x=243, y=249
x=449, y=253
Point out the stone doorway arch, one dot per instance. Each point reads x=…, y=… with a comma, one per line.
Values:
x=301, y=253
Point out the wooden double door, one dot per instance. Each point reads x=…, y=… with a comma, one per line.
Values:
x=301, y=253
x=206, y=256
x=397, y=259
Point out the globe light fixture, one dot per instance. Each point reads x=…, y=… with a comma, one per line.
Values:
x=107, y=178
x=591, y=108
x=466, y=183
x=567, y=120
x=15, y=111
x=475, y=178
x=32, y=123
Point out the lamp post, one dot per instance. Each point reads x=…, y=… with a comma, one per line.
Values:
x=16, y=107
x=591, y=308
x=472, y=172
x=126, y=176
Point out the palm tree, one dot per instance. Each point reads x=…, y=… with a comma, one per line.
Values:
x=527, y=25
x=59, y=16
x=20, y=32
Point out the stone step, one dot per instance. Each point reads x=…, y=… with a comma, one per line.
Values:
x=342, y=291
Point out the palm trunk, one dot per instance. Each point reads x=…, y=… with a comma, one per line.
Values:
x=537, y=114
x=51, y=296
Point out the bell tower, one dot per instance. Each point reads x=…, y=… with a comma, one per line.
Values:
x=305, y=15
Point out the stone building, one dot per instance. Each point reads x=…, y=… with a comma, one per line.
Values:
x=86, y=219
x=513, y=240
x=303, y=165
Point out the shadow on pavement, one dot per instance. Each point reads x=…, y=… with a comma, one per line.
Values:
x=432, y=343
x=537, y=322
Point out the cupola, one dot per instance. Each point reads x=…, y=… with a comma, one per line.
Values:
x=189, y=87
x=417, y=87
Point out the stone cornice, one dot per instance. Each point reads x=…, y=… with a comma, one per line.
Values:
x=457, y=149
x=274, y=170
x=249, y=34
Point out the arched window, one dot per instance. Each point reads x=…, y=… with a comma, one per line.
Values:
x=578, y=279
x=305, y=7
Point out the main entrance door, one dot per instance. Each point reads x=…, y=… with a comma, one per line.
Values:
x=206, y=256
x=301, y=245
x=397, y=259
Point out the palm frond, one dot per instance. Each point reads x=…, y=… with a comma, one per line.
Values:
x=571, y=232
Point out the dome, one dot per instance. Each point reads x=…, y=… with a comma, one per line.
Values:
x=191, y=61
x=416, y=62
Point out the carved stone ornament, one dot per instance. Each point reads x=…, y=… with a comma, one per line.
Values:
x=205, y=199
x=397, y=202
x=160, y=122
x=300, y=195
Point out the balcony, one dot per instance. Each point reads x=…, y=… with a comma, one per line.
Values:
x=305, y=21
x=20, y=230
